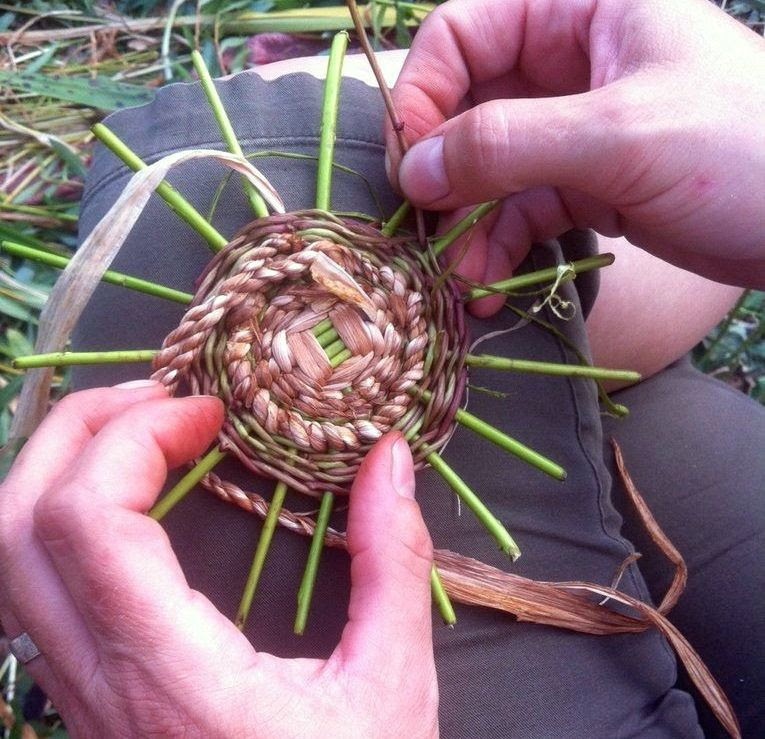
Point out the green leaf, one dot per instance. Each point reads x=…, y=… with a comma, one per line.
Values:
x=98, y=92
x=16, y=345
x=10, y=391
x=73, y=162
x=12, y=309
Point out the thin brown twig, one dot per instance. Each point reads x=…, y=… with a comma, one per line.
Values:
x=396, y=122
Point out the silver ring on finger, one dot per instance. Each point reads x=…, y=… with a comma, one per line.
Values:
x=23, y=648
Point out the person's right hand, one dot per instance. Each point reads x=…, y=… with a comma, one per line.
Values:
x=636, y=119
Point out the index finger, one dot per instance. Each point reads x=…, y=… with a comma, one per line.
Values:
x=72, y=423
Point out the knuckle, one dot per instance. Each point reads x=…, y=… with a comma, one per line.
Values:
x=56, y=513
x=484, y=136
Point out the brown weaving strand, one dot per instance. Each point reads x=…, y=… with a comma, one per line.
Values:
x=290, y=414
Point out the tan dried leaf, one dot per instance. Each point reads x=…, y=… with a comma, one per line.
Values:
x=332, y=277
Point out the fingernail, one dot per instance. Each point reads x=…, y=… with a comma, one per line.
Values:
x=136, y=384
x=402, y=471
x=387, y=165
x=422, y=174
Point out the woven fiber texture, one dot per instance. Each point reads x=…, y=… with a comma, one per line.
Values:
x=293, y=412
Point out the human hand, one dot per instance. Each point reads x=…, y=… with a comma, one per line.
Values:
x=128, y=649
x=635, y=119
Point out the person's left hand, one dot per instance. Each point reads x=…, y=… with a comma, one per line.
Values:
x=128, y=649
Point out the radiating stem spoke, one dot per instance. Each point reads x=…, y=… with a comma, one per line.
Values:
x=324, y=325
x=66, y=359
x=441, y=598
x=110, y=276
x=338, y=359
x=475, y=215
x=329, y=121
x=187, y=483
x=540, y=276
x=261, y=551
x=305, y=591
x=506, y=364
x=257, y=203
x=333, y=349
x=476, y=505
x=325, y=338
x=396, y=219
x=502, y=440
x=165, y=190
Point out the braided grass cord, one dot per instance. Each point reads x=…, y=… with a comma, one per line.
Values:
x=290, y=413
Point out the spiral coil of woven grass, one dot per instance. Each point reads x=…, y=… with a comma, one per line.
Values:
x=248, y=338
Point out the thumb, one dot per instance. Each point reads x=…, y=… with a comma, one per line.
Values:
x=505, y=146
x=389, y=621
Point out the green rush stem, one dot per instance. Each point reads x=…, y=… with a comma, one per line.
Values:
x=257, y=203
x=165, y=190
x=66, y=359
x=441, y=598
x=338, y=359
x=472, y=501
x=616, y=408
x=549, y=368
x=327, y=337
x=33, y=210
x=321, y=327
x=475, y=215
x=329, y=120
x=333, y=349
x=186, y=483
x=305, y=592
x=540, y=276
x=502, y=440
x=396, y=219
x=261, y=551
x=114, y=278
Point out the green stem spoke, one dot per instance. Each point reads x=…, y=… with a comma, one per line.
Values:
x=187, y=483
x=616, y=408
x=329, y=121
x=476, y=505
x=502, y=440
x=325, y=338
x=110, y=276
x=338, y=359
x=441, y=598
x=540, y=276
x=321, y=327
x=257, y=203
x=67, y=359
x=261, y=552
x=165, y=190
x=333, y=349
x=475, y=215
x=305, y=592
x=506, y=364
x=396, y=219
